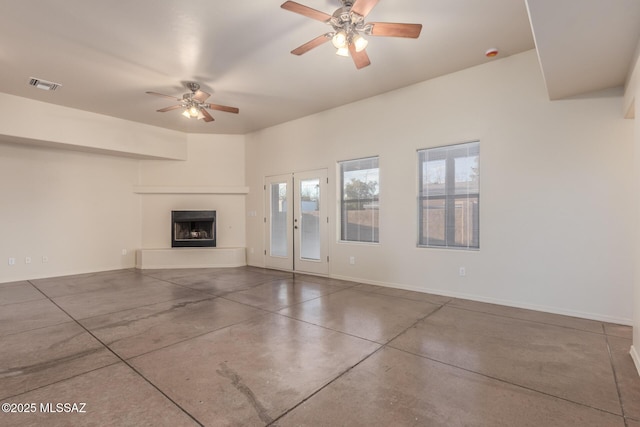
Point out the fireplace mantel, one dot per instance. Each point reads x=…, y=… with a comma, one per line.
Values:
x=165, y=189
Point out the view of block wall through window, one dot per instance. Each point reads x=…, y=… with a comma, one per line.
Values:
x=359, y=204
x=449, y=196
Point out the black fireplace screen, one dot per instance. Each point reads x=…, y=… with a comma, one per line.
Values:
x=193, y=229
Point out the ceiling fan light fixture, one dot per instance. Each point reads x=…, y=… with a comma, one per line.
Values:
x=342, y=51
x=339, y=40
x=193, y=104
x=359, y=42
x=348, y=22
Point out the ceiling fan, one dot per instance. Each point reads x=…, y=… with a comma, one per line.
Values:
x=194, y=104
x=348, y=26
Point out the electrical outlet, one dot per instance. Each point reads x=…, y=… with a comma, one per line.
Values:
x=462, y=271
x=27, y=260
x=124, y=252
x=45, y=259
x=12, y=261
x=352, y=260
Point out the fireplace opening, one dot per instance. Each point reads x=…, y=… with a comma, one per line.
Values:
x=193, y=229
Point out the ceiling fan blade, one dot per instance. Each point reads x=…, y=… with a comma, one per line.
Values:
x=363, y=7
x=163, y=95
x=306, y=11
x=201, y=96
x=311, y=44
x=390, y=29
x=361, y=59
x=173, y=107
x=207, y=117
x=222, y=108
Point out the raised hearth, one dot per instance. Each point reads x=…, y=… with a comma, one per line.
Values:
x=190, y=258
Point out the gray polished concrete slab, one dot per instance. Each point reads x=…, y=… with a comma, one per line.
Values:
x=251, y=373
x=567, y=363
x=280, y=293
x=626, y=376
x=394, y=388
x=366, y=315
x=44, y=356
x=115, y=280
x=111, y=396
x=133, y=332
x=15, y=292
x=531, y=315
x=34, y=314
x=112, y=299
x=402, y=293
x=620, y=331
x=250, y=346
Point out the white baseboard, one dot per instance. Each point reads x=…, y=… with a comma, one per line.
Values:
x=636, y=358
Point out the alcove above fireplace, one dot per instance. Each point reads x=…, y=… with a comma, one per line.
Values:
x=193, y=229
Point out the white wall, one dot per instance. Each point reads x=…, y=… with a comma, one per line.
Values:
x=632, y=105
x=635, y=349
x=65, y=194
x=212, y=161
x=69, y=128
x=80, y=210
x=77, y=209
x=556, y=180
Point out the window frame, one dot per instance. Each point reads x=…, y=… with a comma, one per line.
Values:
x=449, y=197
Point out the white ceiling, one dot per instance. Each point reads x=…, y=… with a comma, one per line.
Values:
x=584, y=45
x=107, y=54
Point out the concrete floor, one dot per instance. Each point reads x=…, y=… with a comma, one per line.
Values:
x=251, y=347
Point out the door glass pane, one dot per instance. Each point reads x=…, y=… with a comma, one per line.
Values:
x=310, y=222
x=278, y=244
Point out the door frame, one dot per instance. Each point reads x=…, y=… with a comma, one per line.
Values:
x=293, y=261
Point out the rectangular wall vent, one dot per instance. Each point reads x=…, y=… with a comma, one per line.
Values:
x=43, y=84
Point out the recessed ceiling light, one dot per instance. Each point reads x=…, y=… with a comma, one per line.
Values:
x=43, y=84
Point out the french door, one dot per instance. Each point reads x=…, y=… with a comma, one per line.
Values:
x=296, y=222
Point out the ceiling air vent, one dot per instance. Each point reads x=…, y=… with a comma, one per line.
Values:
x=43, y=84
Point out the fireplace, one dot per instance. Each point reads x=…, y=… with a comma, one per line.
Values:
x=193, y=229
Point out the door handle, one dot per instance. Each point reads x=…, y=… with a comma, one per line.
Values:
x=295, y=226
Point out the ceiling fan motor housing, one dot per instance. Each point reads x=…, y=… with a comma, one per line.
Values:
x=349, y=22
x=192, y=86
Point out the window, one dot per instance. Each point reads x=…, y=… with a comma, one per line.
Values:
x=449, y=196
x=359, y=189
